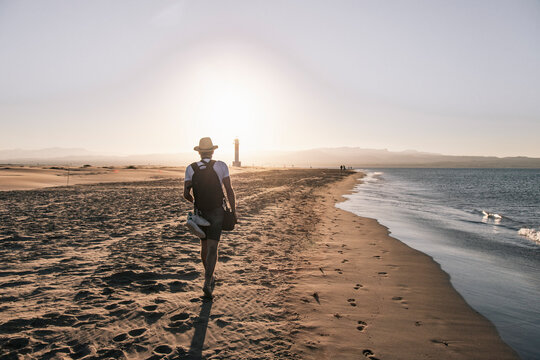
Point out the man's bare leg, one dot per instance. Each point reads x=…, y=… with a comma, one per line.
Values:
x=204, y=251
x=211, y=259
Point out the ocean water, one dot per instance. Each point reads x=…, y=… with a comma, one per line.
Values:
x=481, y=225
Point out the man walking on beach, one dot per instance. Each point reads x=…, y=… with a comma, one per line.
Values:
x=206, y=178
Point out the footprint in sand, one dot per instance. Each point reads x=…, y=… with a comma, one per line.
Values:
x=179, y=322
x=339, y=271
x=177, y=286
x=180, y=317
x=439, y=341
x=361, y=325
x=400, y=299
x=119, y=338
x=137, y=332
x=311, y=345
x=179, y=325
x=358, y=286
x=352, y=302
x=344, y=261
x=222, y=323
x=369, y=354
x=163, y=350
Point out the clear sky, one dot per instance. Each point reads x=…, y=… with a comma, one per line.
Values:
x=454, y=77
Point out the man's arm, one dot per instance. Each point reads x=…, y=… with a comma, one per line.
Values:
x=187, y=191
x=230, y=193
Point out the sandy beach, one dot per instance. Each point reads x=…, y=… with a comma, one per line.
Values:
x=107, y=270
x=19, y=177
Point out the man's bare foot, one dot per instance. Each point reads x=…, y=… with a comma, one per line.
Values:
x=207, y=289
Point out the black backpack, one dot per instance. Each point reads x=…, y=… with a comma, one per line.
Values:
x=207, y=188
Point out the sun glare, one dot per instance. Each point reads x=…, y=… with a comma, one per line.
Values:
x=231, y=106
x=232, y=97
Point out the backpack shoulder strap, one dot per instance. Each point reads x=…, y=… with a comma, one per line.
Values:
x=211, y=166
x=195, y=167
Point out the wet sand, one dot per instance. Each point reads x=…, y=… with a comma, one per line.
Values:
x=367, y=295
x=102, y=271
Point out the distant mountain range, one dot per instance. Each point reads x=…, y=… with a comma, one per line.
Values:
x=321, y=157
x=358, y=157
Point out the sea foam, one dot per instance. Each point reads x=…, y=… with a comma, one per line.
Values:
x=371, y=176
x=532, y=234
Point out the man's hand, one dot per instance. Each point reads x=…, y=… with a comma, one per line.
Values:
x=187, y=191
x=230, y=196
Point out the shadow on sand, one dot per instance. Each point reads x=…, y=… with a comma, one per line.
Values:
x=201, y=324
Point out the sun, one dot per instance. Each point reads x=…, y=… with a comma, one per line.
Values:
x=231, y=98
x=231, y=106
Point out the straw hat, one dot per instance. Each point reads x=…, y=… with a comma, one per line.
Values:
x=205, y=144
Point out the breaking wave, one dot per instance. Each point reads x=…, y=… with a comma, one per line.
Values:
x=531, y=234
x=491, y=215
x=371, y=176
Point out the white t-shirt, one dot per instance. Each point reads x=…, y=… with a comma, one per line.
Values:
x=221, y=169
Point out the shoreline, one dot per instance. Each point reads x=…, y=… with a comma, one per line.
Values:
x=367, y=293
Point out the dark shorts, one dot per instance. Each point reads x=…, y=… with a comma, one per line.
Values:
x=215, y=218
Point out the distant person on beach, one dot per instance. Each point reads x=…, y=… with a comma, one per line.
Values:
x=206, y=178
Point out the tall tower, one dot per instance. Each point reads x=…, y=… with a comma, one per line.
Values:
x=236, y=161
